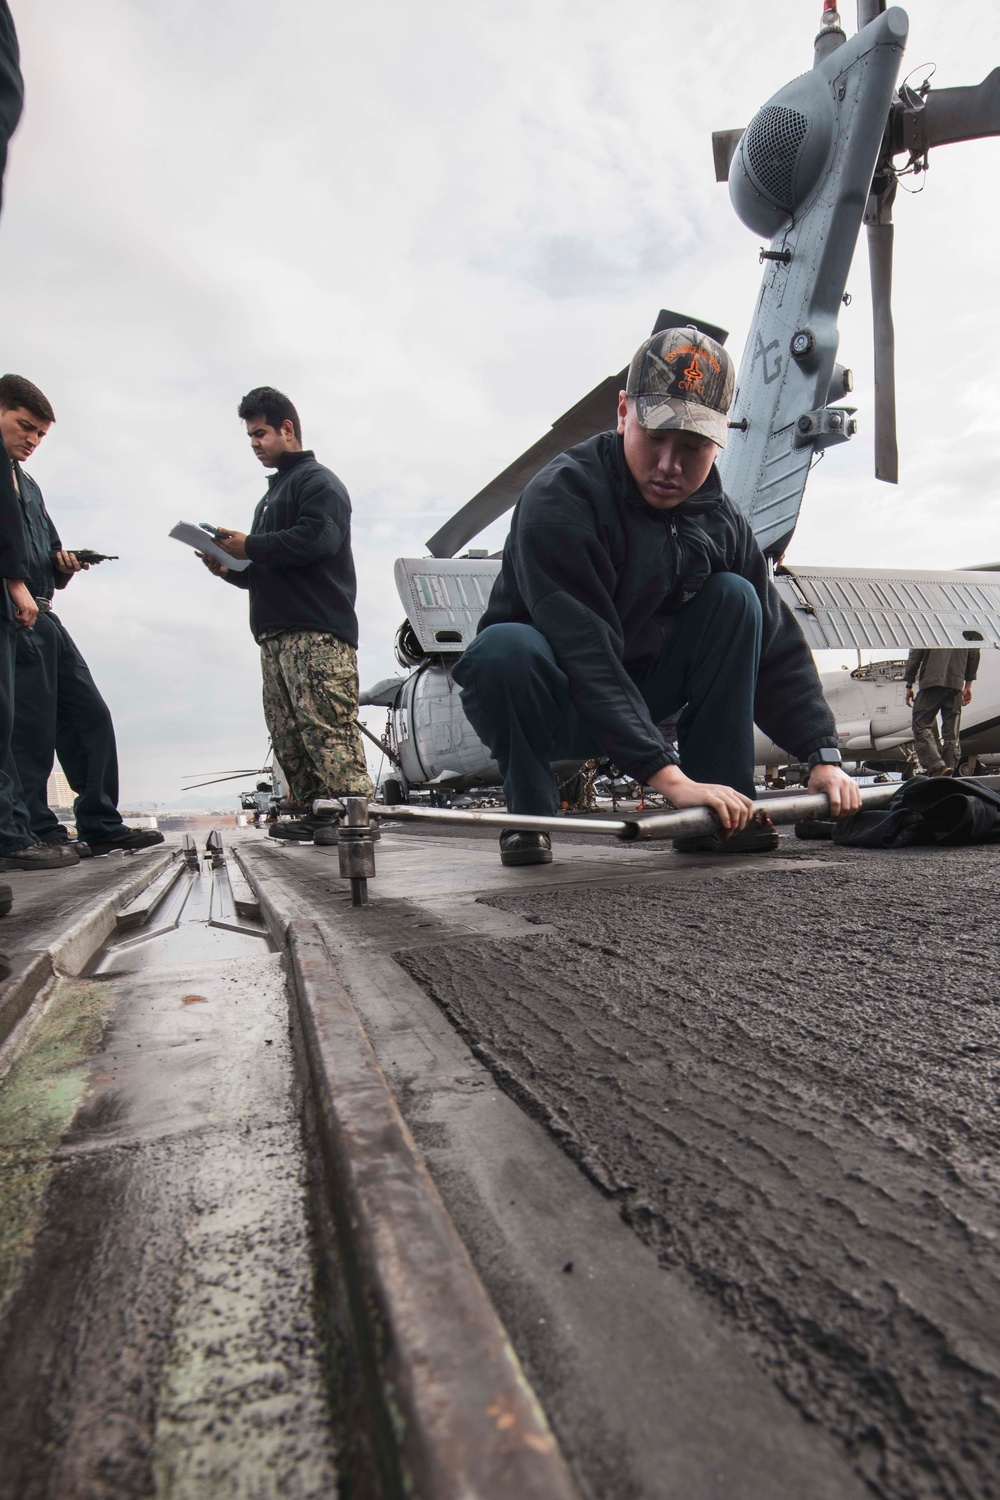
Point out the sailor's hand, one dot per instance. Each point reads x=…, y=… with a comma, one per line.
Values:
x=233, y=542
x=730, y=807
x=909, y=697
x=966, y=695
x=68, y=562
x=25, y=608
x=841, y=789
x=219, y=569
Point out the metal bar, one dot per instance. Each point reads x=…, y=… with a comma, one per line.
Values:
x=379, y=743
x=790, y=809
x=665, y=825
x=467, y=817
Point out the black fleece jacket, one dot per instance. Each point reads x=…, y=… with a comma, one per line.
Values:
x=600, y=573
x=301, y=574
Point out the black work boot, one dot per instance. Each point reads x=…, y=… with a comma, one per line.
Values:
x=298, y=832
x=40, y=857
x=518, y=848
x=130, y=840
x=759, y=837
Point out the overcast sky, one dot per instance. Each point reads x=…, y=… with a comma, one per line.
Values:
x=435, y=227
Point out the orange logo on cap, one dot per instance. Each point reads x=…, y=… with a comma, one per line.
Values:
x=694, y=376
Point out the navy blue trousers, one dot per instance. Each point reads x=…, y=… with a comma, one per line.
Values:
x=59, y=712
x=14, y=830
x=518, y=701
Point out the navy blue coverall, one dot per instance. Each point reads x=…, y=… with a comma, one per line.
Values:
x=58, y=709
x=13, y=556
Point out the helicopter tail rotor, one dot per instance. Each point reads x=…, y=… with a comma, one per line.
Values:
x=880, y=235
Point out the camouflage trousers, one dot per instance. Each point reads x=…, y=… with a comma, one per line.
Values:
x=311, y=709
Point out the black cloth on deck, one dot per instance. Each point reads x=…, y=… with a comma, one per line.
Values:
x=947, y=811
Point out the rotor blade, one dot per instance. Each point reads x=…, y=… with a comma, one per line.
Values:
x=880, y=265
x=724, y=144
x=252, y=771
x=236, y=776
x=597, y=412
x=869, y=10
x=960, y=114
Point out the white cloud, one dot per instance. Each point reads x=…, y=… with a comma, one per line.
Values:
x=436, y=227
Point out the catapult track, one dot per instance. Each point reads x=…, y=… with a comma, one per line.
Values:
x=422, y=1392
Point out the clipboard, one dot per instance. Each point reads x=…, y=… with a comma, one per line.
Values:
x=193, y=536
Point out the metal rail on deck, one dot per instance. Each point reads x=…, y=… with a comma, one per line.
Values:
x=679, y=823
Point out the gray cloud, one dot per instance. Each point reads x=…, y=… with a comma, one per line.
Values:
x=477, y=207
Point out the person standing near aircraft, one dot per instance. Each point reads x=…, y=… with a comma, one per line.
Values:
x=945, y=687
x=302, y=592
x=631, y=587
x=57, y=707
x=19, y=849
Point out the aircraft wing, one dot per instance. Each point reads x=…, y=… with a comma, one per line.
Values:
x=892, y=609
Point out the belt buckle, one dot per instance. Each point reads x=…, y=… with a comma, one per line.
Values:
x=44, y=606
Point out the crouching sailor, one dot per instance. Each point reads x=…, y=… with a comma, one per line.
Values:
x=632, y=588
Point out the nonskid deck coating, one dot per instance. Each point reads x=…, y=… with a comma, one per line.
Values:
x=790, y=1085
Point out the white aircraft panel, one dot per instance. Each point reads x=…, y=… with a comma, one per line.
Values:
x=445, y=598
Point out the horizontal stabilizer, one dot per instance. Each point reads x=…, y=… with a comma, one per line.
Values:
x=383, y=694
x=597, y=412
x=887, y=609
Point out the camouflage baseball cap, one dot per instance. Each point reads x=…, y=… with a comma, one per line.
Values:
x=682, y=379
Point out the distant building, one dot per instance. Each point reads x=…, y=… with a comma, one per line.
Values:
x=59, y=792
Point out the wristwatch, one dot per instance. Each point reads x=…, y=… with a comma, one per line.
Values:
x=825, y=757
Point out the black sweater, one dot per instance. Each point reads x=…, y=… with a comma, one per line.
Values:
x=600, y=573
x=301, y=574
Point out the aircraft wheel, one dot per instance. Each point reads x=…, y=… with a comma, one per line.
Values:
x=393, y=794
x=968, y=766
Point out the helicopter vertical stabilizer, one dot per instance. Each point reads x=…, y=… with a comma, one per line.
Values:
x=801, y=176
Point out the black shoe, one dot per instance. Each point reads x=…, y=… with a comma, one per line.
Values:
x=525, y=848
x=759, y=837
x=299, y=832
x=325, y=829
x=6, y=902
x=41, y=857
x=127, y=839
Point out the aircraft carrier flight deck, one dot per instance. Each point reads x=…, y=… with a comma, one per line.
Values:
x=638, y=1174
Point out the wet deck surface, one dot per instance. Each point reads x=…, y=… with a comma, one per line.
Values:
x=720, y=1135
x=783, y=1073
x=158, y=1328
x=47, y=902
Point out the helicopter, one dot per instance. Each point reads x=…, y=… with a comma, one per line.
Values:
x=820, y=159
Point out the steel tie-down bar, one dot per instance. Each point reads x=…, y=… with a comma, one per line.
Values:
x=656, y=825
